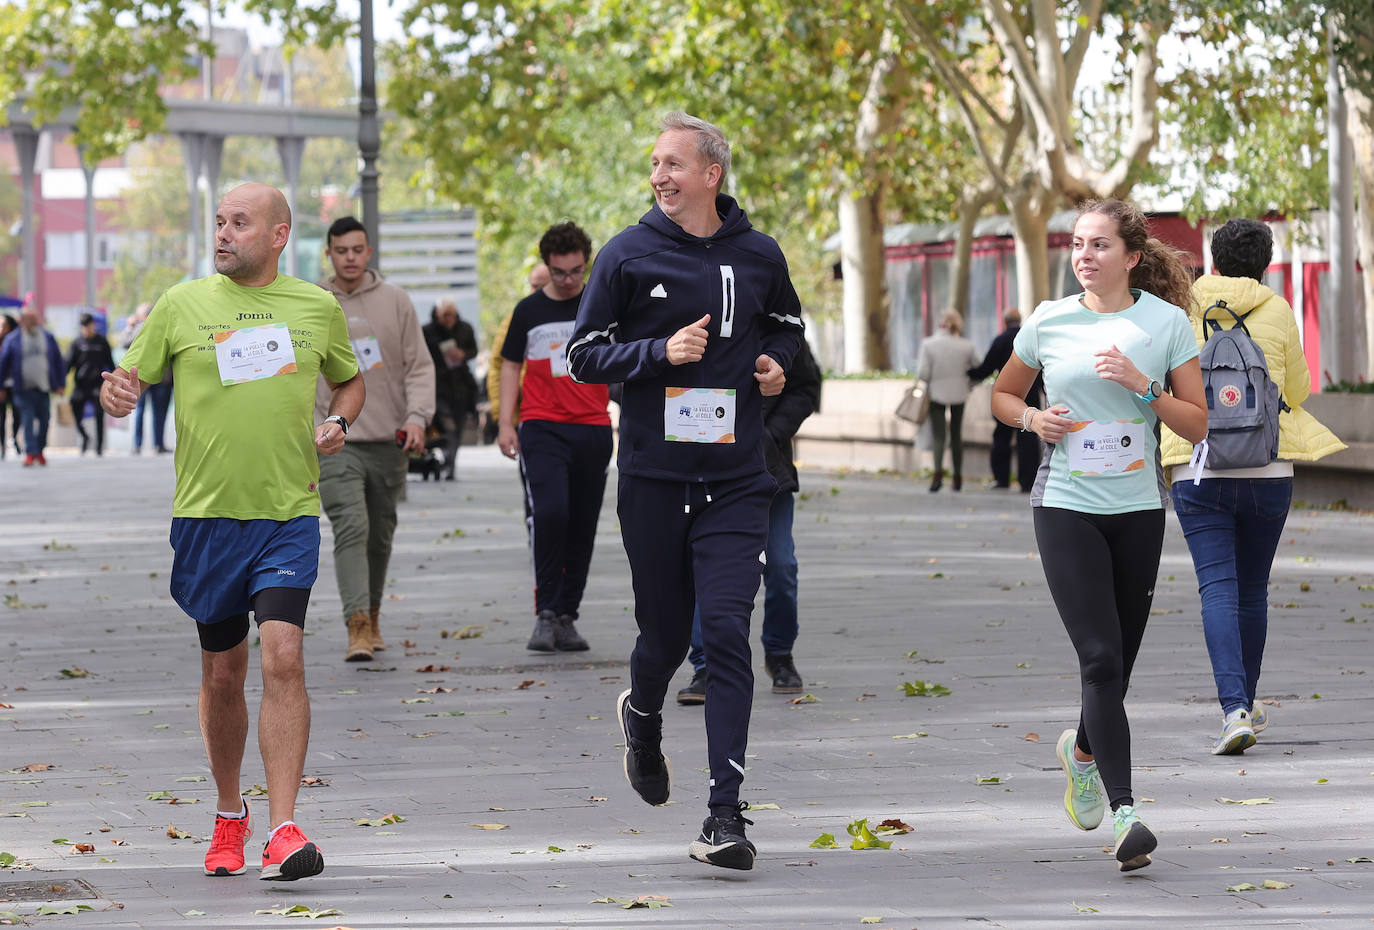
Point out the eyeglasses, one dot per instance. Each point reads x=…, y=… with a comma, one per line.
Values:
x=569, y=275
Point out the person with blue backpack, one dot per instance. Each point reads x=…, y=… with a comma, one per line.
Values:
x=1232, y=491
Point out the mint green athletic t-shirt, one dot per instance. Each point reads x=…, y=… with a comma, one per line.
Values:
x=1110, y=462
x=244, y=450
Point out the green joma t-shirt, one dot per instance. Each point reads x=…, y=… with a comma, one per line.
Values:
x=245, y=435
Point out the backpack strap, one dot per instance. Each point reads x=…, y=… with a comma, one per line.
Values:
x=1216, y=325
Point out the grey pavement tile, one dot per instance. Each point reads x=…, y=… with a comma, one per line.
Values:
x=886, y=569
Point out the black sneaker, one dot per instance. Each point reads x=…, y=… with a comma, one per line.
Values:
x=722, y=841
x=646, y=767
x=695, y=692
x=786, y=678
x=545, y=627
x=565, y=635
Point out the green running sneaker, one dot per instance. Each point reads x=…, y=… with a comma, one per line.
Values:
x=1083, y=798
x=1134, y=841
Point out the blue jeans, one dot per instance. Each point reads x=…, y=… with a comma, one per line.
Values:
x=159, y=397
x=1233, y=526
x=34, y=412
x=779, y=586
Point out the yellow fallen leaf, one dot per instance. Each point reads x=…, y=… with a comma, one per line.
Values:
x=1275, y=885
x=492, y=826
x=1248, y=802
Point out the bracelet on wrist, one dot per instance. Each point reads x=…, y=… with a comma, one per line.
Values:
x=1028, y=418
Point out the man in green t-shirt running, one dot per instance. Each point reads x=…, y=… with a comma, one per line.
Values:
x=246, y=347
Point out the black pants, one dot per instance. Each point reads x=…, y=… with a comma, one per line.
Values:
x=565, y=479
x=1027, y=456
x=956, y=437
x=5, y=406
x=697, y=546
x=1101, y=570
x=80, y=395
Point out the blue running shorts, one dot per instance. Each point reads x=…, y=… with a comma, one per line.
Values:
x=220, y=563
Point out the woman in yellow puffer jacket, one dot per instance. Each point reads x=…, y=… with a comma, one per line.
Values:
x=1232, y=518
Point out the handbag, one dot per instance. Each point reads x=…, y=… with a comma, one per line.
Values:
x=915, y=405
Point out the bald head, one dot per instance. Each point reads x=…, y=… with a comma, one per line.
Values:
x=252, y=226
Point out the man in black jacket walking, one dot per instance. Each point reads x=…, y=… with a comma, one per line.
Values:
x=783, y=415
x=87, y=357
x=695, y=312
x=1027, y=443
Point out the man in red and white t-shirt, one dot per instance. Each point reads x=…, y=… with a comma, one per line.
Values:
x=563, y=440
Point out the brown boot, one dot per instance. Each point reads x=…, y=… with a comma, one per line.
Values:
x=359, y=644
x=374, y=631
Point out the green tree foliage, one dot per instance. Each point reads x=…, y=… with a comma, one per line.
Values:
x=107, y=56
x=507, y=98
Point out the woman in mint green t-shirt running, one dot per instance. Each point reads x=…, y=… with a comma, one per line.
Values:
x=1117, y=359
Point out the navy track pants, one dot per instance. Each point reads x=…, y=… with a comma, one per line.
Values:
x=565, y=479
x=697, y=545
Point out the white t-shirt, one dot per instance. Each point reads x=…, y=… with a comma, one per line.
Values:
x=1110, y=462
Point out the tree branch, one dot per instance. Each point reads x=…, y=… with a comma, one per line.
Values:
x=965, y=97
x=1117, y=180
x=1082, y=38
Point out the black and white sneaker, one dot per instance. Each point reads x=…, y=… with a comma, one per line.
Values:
x=646, y=767
x=722, y=841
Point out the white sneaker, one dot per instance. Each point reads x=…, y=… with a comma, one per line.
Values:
x=1237, y=735
x=1258, y=718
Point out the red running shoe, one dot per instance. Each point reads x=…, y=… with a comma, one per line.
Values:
x=41, y=459
x=289, y=856
x=225, y=856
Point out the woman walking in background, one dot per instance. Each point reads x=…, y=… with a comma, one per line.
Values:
x=943, y=363
x=1233, y=517
x=1098, y=498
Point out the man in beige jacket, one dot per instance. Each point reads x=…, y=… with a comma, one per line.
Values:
x=360, y=486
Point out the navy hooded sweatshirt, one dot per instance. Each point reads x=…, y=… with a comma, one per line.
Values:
x=650, y=281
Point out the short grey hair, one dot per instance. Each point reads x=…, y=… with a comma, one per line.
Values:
x=711, y=144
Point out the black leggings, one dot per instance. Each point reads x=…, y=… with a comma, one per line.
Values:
x=1101, y=570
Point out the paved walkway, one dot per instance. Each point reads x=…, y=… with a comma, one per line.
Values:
x=898, y=585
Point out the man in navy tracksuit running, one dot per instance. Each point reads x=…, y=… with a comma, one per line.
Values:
x=694, y=311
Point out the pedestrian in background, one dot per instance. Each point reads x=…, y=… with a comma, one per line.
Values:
x=783, y=415
x=452, y=345
x=943, y=363
x=88, y=356
x=1028, y=448
x=1099, y=503
x=361, y=485
x=158, y=397
x=8, y=324
x=31, y=363
x=1233, y=517
x=563, y=442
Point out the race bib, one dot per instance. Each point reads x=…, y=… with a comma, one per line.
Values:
x=369, y=352
x=1105, y=447
x=550, y=341
x=254, y=353
x=699, y=414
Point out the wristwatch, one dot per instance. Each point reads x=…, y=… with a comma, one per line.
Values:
x=1152, y=393
x=343, y=423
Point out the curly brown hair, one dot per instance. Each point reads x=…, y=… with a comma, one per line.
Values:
x=1161, y=270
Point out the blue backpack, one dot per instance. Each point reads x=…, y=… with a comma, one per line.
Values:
x=1243, y=403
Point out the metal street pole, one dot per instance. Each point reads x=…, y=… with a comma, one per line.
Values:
x=369, y=135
